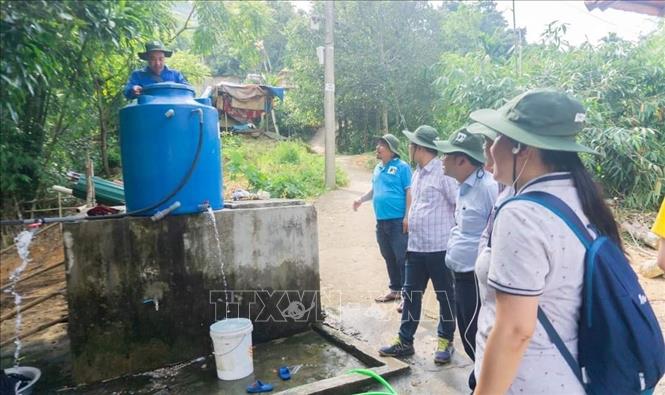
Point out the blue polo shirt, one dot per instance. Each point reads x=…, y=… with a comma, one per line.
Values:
x=389, y=185
x=144, y=77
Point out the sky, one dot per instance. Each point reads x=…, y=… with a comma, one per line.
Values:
x=583, y=24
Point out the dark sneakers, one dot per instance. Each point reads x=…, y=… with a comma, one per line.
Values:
x=397, y=349
x=444, y=351
x=442, y=355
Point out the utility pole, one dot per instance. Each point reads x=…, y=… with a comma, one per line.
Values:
x=518, y=43
x=329, y=96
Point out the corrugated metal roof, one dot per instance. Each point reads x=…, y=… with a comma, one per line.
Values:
x=649, y=7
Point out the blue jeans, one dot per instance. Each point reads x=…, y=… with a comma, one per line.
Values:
x=420, y=267
x=392, y=244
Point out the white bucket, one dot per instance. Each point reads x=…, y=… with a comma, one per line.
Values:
x=32, y=373
x=232, y=341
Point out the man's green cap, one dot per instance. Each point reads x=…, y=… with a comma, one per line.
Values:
x=392, y=141
x=154, y=46
x=423, y=136
x=541, y=118
x=479, y=128
x=464, y=142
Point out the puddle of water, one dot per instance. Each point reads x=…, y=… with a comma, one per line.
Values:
x=319, y=359
x=22, y=242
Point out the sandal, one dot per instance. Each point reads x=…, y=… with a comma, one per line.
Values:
x=284, y=373
x=390, y=296
x=258, y=386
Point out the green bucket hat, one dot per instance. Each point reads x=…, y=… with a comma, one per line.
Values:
x=392, y=141
x=423, y=136
x=541, y=118
x=479, y=128
x=465, y=142
x=154, y=46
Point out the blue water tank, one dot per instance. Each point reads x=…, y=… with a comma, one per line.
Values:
x=159, y=140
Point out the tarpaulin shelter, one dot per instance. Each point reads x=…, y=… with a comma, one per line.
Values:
x=243, y=104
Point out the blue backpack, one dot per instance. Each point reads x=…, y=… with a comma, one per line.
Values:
x=620, y=344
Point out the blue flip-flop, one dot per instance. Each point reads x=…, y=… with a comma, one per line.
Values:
x=284, y=373
x=258, y=386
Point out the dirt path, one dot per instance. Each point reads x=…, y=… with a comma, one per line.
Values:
x=318, y=141
x=353, y=274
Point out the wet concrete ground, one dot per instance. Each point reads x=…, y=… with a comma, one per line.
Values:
x=318, y=359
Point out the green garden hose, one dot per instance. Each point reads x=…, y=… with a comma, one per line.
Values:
x=377, y=377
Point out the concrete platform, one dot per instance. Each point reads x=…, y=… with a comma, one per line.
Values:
x=142, y=295
x=323, y=358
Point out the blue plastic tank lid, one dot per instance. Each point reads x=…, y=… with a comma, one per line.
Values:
x=230, y=325
x=166, y=85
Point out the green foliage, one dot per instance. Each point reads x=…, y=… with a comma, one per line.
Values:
x=630, y=164
x=398, y=65
x=285, y=169
x=191, y=66
x=382, y=68
x=303, y=109
x=275, y=39
x=293, y=122
x=468, y=82
x=232, y=31
x=64, y=63
x=622, y=85
x=468, y=27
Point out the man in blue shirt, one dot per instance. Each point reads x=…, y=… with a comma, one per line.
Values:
x=391, y=197
x=156, y=71
x=464, y=161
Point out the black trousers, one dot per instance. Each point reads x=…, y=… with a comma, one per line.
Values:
x=467, y=306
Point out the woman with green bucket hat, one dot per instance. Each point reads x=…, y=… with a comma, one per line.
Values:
x=534, y=259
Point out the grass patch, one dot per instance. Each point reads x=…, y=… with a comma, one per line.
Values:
x=286, y=169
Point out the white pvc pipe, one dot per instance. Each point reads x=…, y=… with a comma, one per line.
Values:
x=61, y=189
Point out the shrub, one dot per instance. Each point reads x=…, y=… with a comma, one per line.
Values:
x=286, y=169
x=621, y=84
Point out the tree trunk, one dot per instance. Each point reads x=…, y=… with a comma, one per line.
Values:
x=31, y=141
x=90, y=187
x=384, y=117
x=103, y=130
x=104, y=148
x=59, y=128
